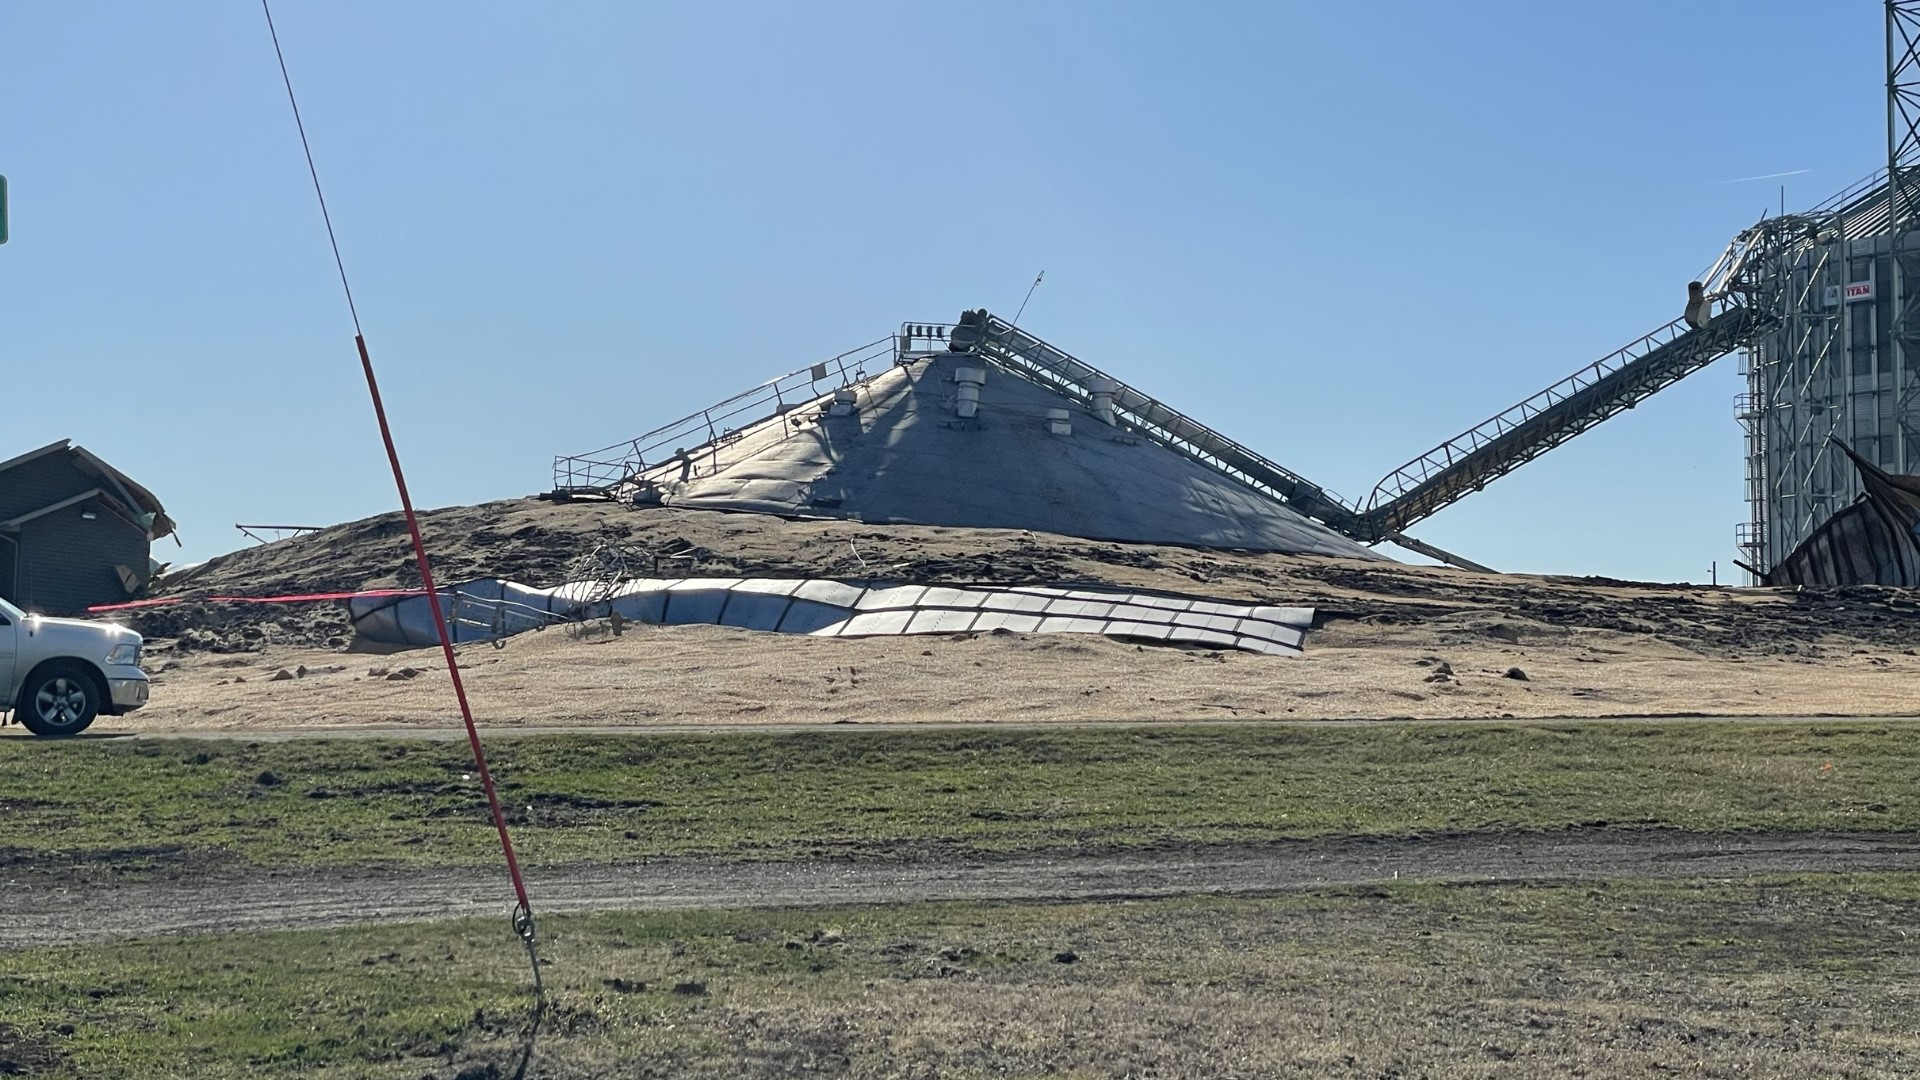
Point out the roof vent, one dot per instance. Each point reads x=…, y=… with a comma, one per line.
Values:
x=1059, y=422
x=967, y=397
x=844, y=403
x=1101, y=390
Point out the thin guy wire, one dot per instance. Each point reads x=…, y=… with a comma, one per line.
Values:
x=338, y=263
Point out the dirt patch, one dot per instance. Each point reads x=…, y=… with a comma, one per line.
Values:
x=39, y=867
x=705, y=676
x=24, y=1054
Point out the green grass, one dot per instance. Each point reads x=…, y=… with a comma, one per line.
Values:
x=861, y=793
x=1775, y=978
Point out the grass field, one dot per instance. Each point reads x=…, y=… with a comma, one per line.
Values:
x=1780, y=978
x=138, y=804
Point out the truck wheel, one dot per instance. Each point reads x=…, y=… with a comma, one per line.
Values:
x=60, y=699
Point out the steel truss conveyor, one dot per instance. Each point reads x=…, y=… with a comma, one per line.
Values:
x=1489, y=450
x=1428, y=483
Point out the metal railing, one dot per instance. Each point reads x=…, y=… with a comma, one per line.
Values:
x=480, y=618
x=600, y=471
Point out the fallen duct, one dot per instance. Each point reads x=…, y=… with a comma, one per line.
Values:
x=490, y=609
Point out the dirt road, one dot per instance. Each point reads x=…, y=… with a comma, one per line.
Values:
x=57, y=908
x=117, y=728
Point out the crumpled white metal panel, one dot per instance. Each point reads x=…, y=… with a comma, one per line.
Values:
x=490, y=609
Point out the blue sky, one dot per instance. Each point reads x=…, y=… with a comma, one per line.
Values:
x=1340, y=233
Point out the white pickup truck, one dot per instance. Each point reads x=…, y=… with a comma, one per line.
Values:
x=57, y=675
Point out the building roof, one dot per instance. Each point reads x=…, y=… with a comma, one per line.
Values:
x=114, y=484
x=900, y=452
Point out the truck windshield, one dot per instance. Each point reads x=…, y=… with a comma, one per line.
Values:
x=10, y=613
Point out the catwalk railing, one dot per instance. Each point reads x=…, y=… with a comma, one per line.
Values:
x=599, y=471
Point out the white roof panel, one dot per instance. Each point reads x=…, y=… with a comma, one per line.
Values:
x=646, y=607
x=837, y=593
x=1007, y=620
x=870, y=623
x=941, y=621
x=694, y=605
x=686, y=584
x=754, y=611
x=810, y=617
x=1018, y=601
x=493, y=608
x=888, y=599
x=1291, y=616
x=1156, y=631
x=938, y=596
x=770, y=586
x=1061, y=624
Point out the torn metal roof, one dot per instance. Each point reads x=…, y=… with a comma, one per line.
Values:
x=490, y=609
x=138, y=502
x=1875, y=541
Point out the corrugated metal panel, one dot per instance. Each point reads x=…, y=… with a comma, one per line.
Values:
x=1875, y=541
x=859, y=609
x=21, y=473
x=39, y=482
x=67, y=562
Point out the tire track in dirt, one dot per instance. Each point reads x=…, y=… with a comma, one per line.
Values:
x=62, y=909
x=118, y=728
